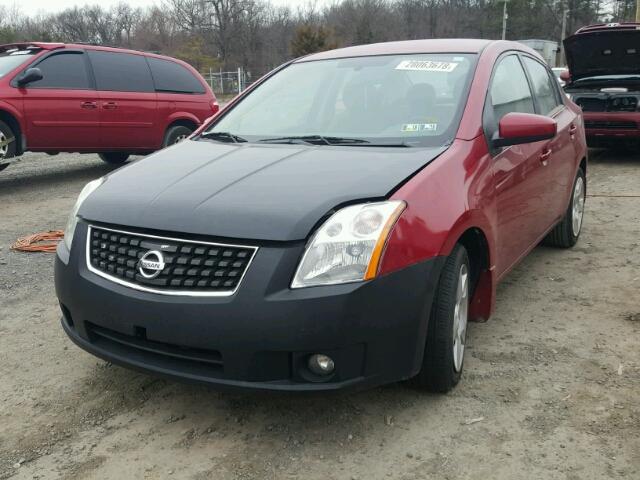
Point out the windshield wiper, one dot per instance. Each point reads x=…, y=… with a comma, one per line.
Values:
x=224, y=137
x=316, y=140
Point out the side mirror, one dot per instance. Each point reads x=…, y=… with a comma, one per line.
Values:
x=518, y=128
x=31, y=75
x=565, y=76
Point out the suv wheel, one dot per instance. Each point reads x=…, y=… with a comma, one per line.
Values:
x=114, y=158
x=176, y=135
x=447, y=331
x=565, y=234
x=7, y=144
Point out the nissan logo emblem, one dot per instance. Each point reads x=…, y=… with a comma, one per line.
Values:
x=151, y=264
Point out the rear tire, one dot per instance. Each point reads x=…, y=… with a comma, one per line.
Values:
x=9, y=150
x=446, y=333
x=176, y=135
x=566, y=233
x=114, y=158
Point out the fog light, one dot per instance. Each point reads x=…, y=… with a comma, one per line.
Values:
x=321, y=364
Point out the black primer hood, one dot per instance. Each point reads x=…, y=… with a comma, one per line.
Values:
x=248, y=191
x=587, y=53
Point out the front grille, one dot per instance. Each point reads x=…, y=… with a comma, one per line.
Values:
x=611, y=125
x=167, y=265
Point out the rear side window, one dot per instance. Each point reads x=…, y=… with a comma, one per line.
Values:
x=121, y=72
x=543, y=86
x=66, y=71
x=172, y=77
x=510, y=89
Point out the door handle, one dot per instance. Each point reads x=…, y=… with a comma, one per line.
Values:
x=545, y=156
x=89, y=105
x=572, y=130
x=110, y=105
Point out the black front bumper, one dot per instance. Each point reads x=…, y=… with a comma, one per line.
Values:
x=262, y=336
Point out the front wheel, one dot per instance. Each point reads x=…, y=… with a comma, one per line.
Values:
x=447, y=330
x=114, y=158
x=7, y=144
x=566, y=233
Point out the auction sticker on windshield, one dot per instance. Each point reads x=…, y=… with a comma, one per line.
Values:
x=427, y=66
x=419, y=127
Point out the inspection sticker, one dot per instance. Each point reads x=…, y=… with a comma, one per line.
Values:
x=419, y=127
x=427, y=66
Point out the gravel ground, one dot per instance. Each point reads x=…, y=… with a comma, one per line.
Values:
x=551, y=387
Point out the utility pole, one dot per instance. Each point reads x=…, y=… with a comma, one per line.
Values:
x=563, y=34
x=638, y=11
x=505, y=15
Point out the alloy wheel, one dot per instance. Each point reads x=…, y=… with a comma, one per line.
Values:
x=460, y=317
x=578, y=206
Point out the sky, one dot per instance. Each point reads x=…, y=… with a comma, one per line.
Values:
x=27, y=6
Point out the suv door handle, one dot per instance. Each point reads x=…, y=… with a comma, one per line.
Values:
x=572, y=130
x=110, y=105
x=89, y=105
x=545, y=156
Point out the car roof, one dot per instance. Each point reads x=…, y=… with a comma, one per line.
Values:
x=448, y=45
x=85, y=46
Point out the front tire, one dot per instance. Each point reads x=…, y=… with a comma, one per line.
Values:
x=566, y=233
x=7, y=144
x=114, y=158
x=447, y=330
x=176, y=135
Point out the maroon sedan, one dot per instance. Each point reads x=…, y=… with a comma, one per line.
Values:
x=336, y=226
x=57, y=97
x=604, y=80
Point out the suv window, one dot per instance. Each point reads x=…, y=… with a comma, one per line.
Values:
x=509, y=89
x=172, y=77
x=64, y=71
x=121, y=72
x=543, y=86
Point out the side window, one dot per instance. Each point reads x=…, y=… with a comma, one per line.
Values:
x=120, y=72
x=172, y=77
x=543, y=86
x=64, y=71
x=509, y=90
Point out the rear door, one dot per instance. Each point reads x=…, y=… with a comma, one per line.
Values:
x=61, y=110
x=518, y=170
x=559, y=168
x=127, y=101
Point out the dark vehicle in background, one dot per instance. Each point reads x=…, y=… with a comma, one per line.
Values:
x=604, y=80
x=58, y=97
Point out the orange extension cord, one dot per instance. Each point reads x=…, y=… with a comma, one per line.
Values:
x=32, y=243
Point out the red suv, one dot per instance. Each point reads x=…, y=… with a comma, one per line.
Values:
x=604, y=80
x=58, y=97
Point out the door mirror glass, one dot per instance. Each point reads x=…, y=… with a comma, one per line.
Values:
x=518, y=128
x=31, y=75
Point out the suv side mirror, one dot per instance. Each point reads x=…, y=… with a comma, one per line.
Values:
x=518, y=128
x=31, y=75
x=565, y=76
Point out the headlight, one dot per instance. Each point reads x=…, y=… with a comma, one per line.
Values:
x=73, y=215
x=348, y=246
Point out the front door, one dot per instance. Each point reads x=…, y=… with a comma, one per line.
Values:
x=127, y=101
x=519, y=170
x=61, y=110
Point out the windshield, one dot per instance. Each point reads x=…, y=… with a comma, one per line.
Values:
x=413, y=100
x=11, y=59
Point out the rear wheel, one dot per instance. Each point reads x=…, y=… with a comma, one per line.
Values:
x=176, y=135
x=566, y=233
x=7, y=144
x=447, y=331
x=114, y=158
